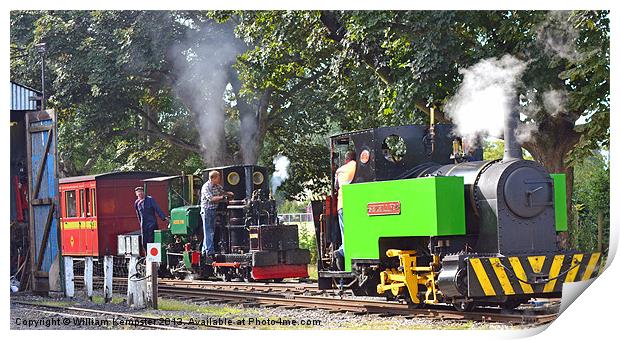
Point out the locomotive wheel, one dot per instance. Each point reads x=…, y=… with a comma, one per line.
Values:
x=510, y=304
x=247, y=275
x=464, y=306
x=410, y=303
x=389, y=296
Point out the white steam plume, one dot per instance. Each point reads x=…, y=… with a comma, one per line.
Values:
x=247, y=137
x=203, y=60
x=485, y=97
x=281, y=173
x=525, y=131
x=558, y=35
x=555, y=101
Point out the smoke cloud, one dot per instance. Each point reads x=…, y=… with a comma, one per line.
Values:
x=558, y=36
x=281, y=174
x=555, y=101
x=525, y=131
x=247, y=136
x=485, y=96
x=203, y=60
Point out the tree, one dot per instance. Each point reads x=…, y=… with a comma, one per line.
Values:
x=388, y=67
x=591, y=204
x=148, y=82
x=494, y=149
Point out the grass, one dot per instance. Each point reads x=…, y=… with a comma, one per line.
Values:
x=59, y=303
x=115, y=300
x=312, y=271
x=173, y=305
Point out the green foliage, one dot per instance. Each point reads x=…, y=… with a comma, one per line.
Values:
x=591, y=198
x=106, y=77
x=307, y=240
x=494, y=149
x=292, y=207
x=361, y=69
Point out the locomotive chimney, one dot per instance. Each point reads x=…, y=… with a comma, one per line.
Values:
x=512, y=148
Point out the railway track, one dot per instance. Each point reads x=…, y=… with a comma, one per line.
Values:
x=303, y=295
x=120, y=284
x=353, y=305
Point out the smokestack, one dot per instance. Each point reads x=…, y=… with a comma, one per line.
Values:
x=512, y=148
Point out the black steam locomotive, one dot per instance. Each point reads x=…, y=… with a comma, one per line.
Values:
x=250, y=242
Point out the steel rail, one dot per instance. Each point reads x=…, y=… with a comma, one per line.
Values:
x=352, y=305
x=292, y=295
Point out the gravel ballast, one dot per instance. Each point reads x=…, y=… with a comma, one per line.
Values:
x=201, y=314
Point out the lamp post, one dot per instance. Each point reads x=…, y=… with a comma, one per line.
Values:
x=41, y=48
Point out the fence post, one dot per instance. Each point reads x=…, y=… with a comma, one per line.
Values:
x=88, y=276
x=154, y=271
x=108, y=270
x=152, y=289
x=135, y=287
x=69, y=284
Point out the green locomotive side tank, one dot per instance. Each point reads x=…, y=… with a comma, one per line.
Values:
x=427, y=206
x=185, y=220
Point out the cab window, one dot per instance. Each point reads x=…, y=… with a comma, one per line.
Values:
x=93, y=202
x=82, y=204
x=70, y=204
x=89, y=205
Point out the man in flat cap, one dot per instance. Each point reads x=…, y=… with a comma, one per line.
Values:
x=146, y=208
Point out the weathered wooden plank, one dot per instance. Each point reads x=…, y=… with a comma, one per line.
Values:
x=42, y=201
x=88, y=276
x=40, y=128
x=46, y=233
x=42, y=165
x=31, y=224
x=69, y=284
x=108, y=266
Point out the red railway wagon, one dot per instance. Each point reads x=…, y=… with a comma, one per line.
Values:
x=95, y=209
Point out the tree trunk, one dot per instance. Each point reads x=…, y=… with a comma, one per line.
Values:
x=152, y=114
x=556, y=137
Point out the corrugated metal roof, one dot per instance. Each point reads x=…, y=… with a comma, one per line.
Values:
x=20, y=98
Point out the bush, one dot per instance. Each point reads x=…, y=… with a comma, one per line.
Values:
x=307, y=240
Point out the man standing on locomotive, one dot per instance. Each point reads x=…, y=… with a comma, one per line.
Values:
x=344, y=175
x=210, y=195
x=146, y=208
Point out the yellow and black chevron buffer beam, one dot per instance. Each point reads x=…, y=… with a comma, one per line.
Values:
x=526, y=275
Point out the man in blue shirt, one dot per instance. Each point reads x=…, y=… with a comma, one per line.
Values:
x=146, y=208
x=210, y=195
